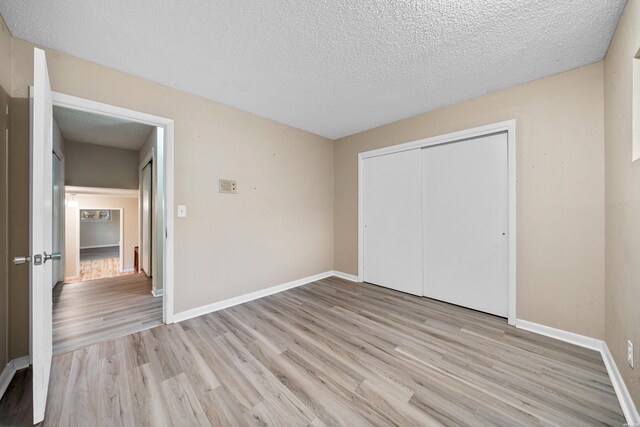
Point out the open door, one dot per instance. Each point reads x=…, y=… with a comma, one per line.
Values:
x=41, y=233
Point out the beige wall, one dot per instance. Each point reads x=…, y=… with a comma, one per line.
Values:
x=622, y=184
x=100, y=233
x=560, y=191
x=5, y=122
x=90, y=165
x=72, y=221
x=277, y=229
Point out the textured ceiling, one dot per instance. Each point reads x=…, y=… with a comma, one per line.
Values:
x=331, y=67
x=91, y=128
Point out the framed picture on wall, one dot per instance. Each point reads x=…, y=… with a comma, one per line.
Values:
x=94, y=215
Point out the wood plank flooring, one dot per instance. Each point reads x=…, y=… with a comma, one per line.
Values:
x=99, y=268
x=328, y=353
x=86, y=313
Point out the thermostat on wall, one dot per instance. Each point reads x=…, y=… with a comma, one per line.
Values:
x=228, y=186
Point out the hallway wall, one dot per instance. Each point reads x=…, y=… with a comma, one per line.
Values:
x=100, y=233
x=90, y=165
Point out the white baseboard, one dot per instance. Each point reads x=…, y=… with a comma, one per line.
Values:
x=210, y=308
x=128, y=270
x=626, y=403
x=117, y=245
x=346, y=276
x=10, y=370
x=559, y=334
x=628, y=407
x=157, y=292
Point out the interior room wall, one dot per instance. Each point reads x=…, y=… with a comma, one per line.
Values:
x=278, y=228
x=5, y=125
x=153, y=145
x=90, y=165
x=622, y=185
x=560, y=190
x=130, y=233
x=100, y=234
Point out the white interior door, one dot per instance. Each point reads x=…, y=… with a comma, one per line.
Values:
x=41, y=233
x=392, y=197
x=466, y=223
x=146, y=220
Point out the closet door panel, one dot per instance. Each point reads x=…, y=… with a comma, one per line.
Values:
x=392, y=197
x=466, y=223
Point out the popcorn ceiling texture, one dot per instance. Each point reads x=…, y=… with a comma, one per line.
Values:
x=331, y=67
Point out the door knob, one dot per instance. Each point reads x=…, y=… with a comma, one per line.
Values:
x=55, y=256
x=21, y=260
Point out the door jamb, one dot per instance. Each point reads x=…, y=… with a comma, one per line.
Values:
x=508, y=126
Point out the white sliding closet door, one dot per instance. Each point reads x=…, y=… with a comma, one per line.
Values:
x=392, y=197
x=465, y=230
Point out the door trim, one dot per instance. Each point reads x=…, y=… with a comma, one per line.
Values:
x=76, y=103
x=508, y=126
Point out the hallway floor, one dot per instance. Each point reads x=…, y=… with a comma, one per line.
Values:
x=99, y=268
x=86, y=313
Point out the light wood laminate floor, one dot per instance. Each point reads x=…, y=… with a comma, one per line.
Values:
x=86, y=313
x=328, y=353
x=99, y=268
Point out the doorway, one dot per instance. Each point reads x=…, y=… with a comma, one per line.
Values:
x=103, y=295
x=161, y=155
x=105, y=240
x=100, y=232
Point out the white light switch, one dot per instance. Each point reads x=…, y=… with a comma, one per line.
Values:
x=182, y=211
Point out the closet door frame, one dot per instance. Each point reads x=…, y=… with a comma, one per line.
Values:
x=509, y=127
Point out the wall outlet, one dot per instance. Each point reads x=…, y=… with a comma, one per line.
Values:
x=630, y=353
x=182, y=211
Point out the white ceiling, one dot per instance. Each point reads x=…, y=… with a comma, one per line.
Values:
x=91, y=128
x=331, y=67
